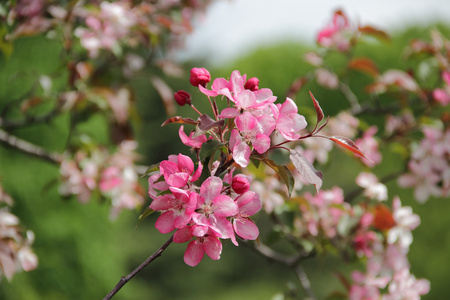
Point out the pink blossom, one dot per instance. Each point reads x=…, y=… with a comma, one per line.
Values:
x=288, y=121
x=213, y=208
x=337, y=34
x=177, y=209
x=179, y=170
x=196, y=249
x=249, y=204
x=405, y=286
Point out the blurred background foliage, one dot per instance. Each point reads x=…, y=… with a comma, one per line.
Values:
x=82, y=254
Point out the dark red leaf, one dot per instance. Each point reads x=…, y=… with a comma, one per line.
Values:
x=347, y=144
x=319, y=110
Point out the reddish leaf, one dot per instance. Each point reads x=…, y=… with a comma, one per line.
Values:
x=181, y=120
x=319, y=110
x=383, y=218
x=347, y=144
x=364, y=65
x=380, y=34
x=306, y=169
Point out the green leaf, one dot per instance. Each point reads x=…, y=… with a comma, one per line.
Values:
x=152, y=168
x=283, y=172
x=209, y=148
x=147, y=212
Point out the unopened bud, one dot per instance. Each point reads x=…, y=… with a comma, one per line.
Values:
x=199, y=76
x=182, y=97
x=240, y=184
x=252, y=84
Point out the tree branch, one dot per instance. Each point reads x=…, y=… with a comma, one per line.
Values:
x=124, y=280
x=304, y=281
x=29, y=148
x=28, y=120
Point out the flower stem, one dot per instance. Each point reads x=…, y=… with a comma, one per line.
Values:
x=124, y=280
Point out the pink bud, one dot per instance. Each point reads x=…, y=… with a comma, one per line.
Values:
x=240, y=184
x=182, y=97
x=199, y=76
x=252, y=84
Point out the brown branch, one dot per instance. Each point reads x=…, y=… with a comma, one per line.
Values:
x=29, y=148
x=124, y=280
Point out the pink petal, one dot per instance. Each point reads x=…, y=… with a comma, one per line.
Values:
x=246, y=229
x=249, y=206
x=178, y=179
x=182, y=235
x=211, y=188
x=222, y=226
x=190, y=141
x=194, y=253
x=197, y=173
x=224, y=206
x=241, y=153
x=245, y=99
x=235, y=137
x=182, y=220
x=245, y=122
x=165, y=222
x=229, y=113
x=288, y=107
x=212, y=247
x=207, y=92
x=199, y=230
x=261, y=143
x=168, y=167
x=161, y=203
x=185, y=164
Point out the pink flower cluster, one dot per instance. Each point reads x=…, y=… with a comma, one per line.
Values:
x=255, y=115
x=429, y=167
x=387, y=274
x=15, y=244
x=113, y=175
x=338, y=33
x=202, y=215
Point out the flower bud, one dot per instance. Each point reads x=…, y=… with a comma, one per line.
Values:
x=199, y=76
x=182, y=97
x=252, y=84
x=240, y=184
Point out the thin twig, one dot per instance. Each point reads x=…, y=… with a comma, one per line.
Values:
x=350, y=96
x=304, y=281
x=151, y=258
x=29, y=148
